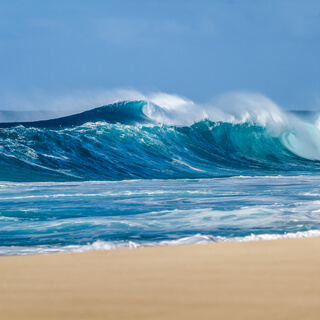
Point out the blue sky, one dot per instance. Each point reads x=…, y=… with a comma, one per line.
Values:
x=197, y=49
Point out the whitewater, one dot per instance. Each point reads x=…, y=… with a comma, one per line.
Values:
x=159, y=170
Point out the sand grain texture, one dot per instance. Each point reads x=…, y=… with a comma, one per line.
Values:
x=254, y=280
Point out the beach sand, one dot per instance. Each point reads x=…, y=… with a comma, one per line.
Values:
x=254, y=280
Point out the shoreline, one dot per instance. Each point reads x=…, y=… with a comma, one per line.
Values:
x=197, y=239
x=276, y=279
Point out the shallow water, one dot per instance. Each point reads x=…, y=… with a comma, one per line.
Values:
x=45, y=217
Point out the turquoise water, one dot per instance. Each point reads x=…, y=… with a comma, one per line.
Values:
x=123, y=175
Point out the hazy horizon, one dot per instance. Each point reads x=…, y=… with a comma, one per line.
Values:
x=53, y=52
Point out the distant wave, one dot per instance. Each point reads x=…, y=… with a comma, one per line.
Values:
x=125, y=112
x=147, y=140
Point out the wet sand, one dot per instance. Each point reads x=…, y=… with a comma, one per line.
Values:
x=255, y=280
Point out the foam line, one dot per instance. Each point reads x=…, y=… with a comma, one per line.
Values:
x=113, y=245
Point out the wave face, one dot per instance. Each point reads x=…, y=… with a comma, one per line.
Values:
x=119, y=142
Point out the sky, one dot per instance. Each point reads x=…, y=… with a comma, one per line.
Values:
x=197, y=49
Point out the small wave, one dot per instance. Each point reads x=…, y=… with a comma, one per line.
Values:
x=197, y=239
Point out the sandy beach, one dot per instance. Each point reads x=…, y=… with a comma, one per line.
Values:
x=254, y=280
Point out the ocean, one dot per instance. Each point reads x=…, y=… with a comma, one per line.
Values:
x=149, y=173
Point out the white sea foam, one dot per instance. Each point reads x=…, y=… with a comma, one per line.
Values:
x=113, y=245
x=8, y=218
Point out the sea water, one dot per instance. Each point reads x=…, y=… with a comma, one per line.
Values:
x=144, y=173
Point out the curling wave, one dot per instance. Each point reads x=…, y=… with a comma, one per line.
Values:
x=147, y=140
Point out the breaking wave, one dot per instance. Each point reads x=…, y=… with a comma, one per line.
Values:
x=162, y=138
